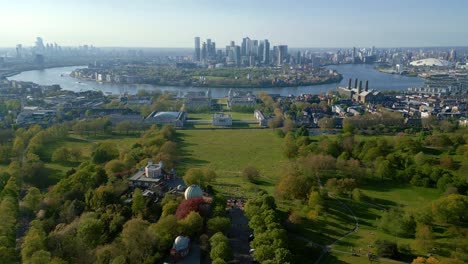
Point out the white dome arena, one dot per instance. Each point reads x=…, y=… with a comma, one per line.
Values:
x=431, y=62
x=193, y=191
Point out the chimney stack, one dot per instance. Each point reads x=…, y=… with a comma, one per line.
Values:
x=367, y=86
x=355, y=84
x=349, y=83
x=360, y=87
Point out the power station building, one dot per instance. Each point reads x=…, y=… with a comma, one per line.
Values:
x=357, y=94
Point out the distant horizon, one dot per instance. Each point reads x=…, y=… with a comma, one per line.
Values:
x=297, y=23
x=291, y=47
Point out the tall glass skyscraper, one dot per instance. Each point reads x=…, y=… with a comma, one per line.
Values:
x=197, y=55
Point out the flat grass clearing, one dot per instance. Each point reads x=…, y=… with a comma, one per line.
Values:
x=228, y=151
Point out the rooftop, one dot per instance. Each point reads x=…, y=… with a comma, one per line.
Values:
x=431, y=62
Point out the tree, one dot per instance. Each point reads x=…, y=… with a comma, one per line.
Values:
x=137, y=241
x=451, y=208
x=383, y=170
x=170, y=208
x=138, y=202
x=424, y=238
x=90, y=231
x=33, y=241
x=219, y=224
x=218, y=238
x=315, y=199
x=251, y=173
x=290, y=147
x=104, y=152
x=358, y=195
x=187, y=206
x=282, y=255
x=32, y=199
x=40, y=257
x=220, y=247
x=192, y=224
x=115, y=167
x=386, y=248
x=293, y=186
x=326, y=123
x=222, y=251
x=201, y=177
x=218, y=261
x=164, y=231
x=61, y=155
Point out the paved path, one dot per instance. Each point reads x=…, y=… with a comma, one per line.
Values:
x=239, y=236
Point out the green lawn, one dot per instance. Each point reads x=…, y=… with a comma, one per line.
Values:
x=228, y=151
x=385, y=195
x=336, y=221
x=57, y=170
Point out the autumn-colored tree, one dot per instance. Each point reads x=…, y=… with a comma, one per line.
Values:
x=424, y=238
x=187, y=206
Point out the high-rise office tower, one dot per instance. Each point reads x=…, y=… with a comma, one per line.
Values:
x=244, y=46
x=197, y=55
x=39, y=45
x=354, y=54
x=282, y=54
x=212, y=51
x=453, y=55
x=19, y=51
x=248, y=47
x=254, y=50
x=260, y=51
x=203, y=51
x=266, y=52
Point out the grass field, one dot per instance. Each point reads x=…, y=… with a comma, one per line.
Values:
x=383, y=196
x=85, y=144
x=228, y=151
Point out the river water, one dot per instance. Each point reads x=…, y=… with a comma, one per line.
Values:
x=377, y=80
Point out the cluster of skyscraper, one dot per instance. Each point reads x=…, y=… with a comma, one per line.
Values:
x=250, y=53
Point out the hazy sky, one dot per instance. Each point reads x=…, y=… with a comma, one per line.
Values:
x=174, y=23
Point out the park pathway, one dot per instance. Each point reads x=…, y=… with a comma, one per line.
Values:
x=239, y=236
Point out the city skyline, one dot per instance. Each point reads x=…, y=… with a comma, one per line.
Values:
x=303, y=24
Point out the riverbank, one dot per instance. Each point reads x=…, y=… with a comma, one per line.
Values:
x=334, y=79
x=12, y=72
x=390, y=70
x=247, y=77
x=377, y=80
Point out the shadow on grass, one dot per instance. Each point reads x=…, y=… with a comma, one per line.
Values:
x=263, y=183
x=432, y=151
x=331, y=259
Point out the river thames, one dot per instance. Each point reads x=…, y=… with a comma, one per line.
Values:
x=377, y=80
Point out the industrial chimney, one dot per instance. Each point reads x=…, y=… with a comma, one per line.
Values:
x=366, y=88
x=349, y=83
x=360, y=86
x=355, y=83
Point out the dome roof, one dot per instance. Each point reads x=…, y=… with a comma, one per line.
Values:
x=193, y=191
x=431, y=62
x=181, y=243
